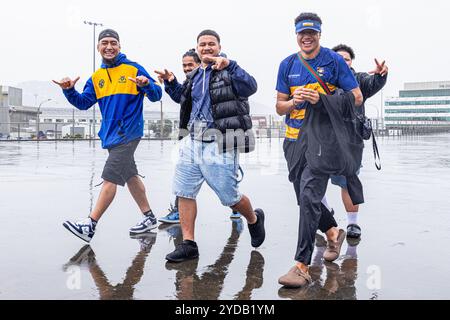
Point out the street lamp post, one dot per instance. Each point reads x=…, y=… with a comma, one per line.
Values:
x=162, y=119
x=94, y=24
x=382, y=108
x=73, y=124
x=38, y=118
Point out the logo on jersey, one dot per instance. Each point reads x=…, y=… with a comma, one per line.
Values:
x=320, y=71
x=123, y=79
x=101, y=83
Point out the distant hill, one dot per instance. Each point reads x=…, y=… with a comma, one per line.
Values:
x=44, y=90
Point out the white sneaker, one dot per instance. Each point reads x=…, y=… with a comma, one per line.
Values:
x=83, y=229
x=147, y=224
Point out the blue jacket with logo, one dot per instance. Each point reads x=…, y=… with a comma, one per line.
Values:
x=120, y=100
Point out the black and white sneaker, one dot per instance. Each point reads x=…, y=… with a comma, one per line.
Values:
x=353, y=231
x=146, y=240
x=83, y=258
x=83, y=229
x=146, y=225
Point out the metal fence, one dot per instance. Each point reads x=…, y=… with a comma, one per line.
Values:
x=153, y=130
x=15, y=131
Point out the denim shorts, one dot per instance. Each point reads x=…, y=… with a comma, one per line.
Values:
x=341, y=181
x=201, y=161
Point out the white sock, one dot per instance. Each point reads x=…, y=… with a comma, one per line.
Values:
x=352, y=217
x=351, y=252
x=325, y=203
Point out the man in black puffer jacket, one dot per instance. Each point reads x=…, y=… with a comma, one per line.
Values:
x=214, y=106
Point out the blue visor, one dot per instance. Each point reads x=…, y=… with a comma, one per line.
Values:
x=308, y=25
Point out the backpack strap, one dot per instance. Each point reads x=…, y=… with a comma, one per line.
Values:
x=376, y=154
x=314, y=74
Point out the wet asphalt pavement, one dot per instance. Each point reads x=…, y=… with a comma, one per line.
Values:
x=402, y=254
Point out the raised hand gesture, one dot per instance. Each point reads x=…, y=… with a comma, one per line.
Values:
x=219, y=63
x=140, y=81
x=165, y=76
x=380, y=69
x=67, y=83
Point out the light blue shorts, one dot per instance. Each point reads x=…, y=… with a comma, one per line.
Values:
x=341, y=181
x=201, y=161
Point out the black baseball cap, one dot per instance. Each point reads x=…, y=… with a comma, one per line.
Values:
x=108, y=33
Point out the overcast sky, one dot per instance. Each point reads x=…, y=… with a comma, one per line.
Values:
x=45, y=39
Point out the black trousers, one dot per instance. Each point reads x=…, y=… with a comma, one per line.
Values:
x=310, y=190
x=322, y=218
x=327, y=220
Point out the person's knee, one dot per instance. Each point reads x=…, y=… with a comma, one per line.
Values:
x=243, y=201
x=232, y=200
x=109, y=185
x=135, y=181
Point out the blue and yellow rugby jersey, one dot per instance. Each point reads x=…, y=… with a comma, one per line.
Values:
x=120, y=100
x=292, y=75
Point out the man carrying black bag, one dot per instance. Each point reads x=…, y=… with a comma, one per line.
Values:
x=302, y=76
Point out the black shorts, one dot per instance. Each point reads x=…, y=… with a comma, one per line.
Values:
x=120, y=166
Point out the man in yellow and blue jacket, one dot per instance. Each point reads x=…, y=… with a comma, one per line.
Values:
x=119, y=87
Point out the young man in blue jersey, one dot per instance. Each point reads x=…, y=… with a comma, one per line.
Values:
x=119, y=87
x=370, y=83
x=298, y=89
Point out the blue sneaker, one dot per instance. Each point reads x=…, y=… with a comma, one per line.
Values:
x=235, y=215
x=173, y=231
x=148, y=223
x=237, y=225
x=172, y=217
x=83, y=229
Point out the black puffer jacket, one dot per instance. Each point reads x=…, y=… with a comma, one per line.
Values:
x=230, y=109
